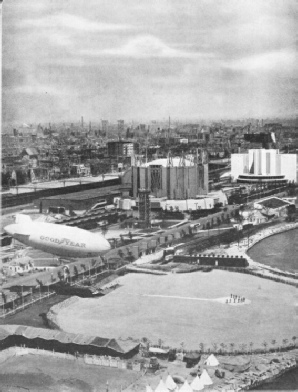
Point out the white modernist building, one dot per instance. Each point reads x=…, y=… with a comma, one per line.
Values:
x=266, y=166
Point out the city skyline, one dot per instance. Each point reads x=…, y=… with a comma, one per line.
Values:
x=140, y=60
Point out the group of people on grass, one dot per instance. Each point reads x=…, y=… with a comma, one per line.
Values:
x=235, y=299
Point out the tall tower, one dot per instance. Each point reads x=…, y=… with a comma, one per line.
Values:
x=104, y=126
x=120, y=128
x=82, y=122
x=144, y=206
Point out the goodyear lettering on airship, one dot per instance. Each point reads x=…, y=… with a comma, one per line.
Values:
x=63, y=241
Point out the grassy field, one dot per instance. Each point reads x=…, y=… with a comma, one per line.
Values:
x=177, y=308
x=40, y=374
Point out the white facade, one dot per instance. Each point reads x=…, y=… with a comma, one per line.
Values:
x=262, y=163
x=183, y=205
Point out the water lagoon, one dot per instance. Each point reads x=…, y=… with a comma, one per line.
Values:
x=188, y=308
x=278, y=251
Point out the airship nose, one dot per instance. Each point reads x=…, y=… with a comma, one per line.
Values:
x=18, y=229
x=10, y=229
x=106, y=245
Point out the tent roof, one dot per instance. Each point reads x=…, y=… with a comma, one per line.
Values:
x=161, y=387
x=192, y=356
x=120, y=346
x=205, y=378
x=186, y=387
x=170, y=383
x=197, y=384
x=157, y=350
x=212, y=361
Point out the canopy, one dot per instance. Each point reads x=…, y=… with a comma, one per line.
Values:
x=161, y=387
x=205, y=378
x=170, y=383
x=157, y=350
x=197, y=384
x=212, y=361
x=186, y=387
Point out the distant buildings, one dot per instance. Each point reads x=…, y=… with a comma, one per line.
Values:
x=124, y=148
x=264, y=166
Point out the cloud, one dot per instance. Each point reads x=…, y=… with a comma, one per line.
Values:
x=33, y=87
x=128, y=58
x=283, y=60
x=144, y=47
x=64, y=20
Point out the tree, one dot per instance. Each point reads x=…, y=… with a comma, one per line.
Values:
x=251, y=346
x=5, y=178
x=285, y=342
x=273, y=342
x=265, y=344
x=243, y=347
x=75, y=271
x=294, y=340
x=146, y=342
x=215, y=347
x=40, y=282
x=223, y=347
x=130, y=257
x=4, y=297
x=232, y=346
x=182, y=346
x=201, y=345
x=22, y=177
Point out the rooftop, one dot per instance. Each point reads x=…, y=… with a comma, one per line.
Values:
x=273, y=202
x=174, y=162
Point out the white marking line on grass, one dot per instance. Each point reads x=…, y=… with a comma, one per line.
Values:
x=220, y=300
x=178, y=297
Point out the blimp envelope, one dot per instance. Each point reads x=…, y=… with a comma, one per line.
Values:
x=60, y=240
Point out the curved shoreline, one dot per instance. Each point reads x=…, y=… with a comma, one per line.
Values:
x=288, y=227
x=266, y=234
x=263, y=270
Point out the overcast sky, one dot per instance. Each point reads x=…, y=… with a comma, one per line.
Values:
x=148, y=59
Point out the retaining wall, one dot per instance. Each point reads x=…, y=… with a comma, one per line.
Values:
x=213, y=260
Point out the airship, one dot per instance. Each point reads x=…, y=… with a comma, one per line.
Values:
x=59, y=240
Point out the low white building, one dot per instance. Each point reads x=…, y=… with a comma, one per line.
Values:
x=80, y=170
x=272, y=206
x=189, y=204
x=219, y=197
x=254, y=216
x=18, y=266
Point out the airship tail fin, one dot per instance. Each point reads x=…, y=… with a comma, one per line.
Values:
x=21, y=218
